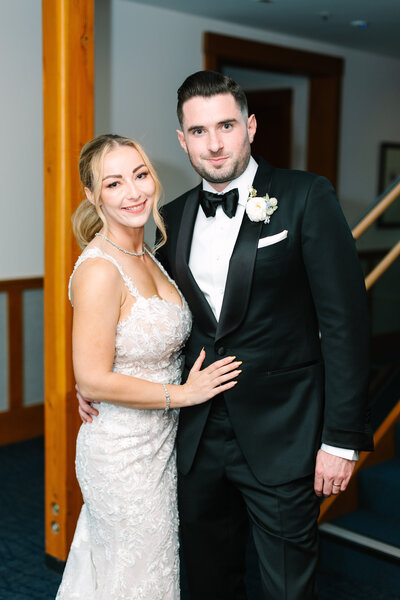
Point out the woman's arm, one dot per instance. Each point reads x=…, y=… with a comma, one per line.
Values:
x=98, y=294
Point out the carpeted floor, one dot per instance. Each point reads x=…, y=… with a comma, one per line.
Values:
x=23, y=574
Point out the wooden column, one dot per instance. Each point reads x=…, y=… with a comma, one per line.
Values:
x=68, y=74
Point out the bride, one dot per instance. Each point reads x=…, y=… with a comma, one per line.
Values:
x=130, y=324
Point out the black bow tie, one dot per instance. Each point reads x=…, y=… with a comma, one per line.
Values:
x=228, y=201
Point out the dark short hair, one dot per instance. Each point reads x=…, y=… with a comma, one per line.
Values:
x=207, y=84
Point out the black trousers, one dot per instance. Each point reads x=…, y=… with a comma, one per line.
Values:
x=219, y=498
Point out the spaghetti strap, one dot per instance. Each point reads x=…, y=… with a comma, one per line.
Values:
x=95, y=252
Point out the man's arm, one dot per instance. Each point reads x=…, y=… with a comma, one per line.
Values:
x=338, y=291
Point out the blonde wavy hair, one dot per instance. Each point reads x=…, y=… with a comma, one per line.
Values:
x=88, y=218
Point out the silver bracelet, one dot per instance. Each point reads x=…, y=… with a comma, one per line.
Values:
x=167, y=399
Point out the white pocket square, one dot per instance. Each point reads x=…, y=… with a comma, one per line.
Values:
x=272, y=239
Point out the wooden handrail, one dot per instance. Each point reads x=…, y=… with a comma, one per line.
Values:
x=384, y=442
x=376, y=212
x=366, y=222
x=381, y=267
x=384, y=438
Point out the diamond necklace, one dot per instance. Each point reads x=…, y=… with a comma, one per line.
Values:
x=119, y=247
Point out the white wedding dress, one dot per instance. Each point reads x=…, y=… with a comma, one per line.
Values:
x=126, y=542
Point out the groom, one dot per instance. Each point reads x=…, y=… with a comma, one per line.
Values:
x=283, y=292
x=274, y=280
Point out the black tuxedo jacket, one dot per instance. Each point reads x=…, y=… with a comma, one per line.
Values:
x=280, y=302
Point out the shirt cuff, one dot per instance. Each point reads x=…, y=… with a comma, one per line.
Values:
x=342, y=452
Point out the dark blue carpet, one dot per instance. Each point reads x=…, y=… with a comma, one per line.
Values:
x=23, y=574
x=378, y=517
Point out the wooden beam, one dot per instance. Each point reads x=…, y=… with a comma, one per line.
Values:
x=263, y=56
x=68, y=95
x=30, y=283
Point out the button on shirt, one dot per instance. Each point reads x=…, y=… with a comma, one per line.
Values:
x=213, y=241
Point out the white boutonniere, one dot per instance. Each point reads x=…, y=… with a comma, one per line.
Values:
x=260, y=208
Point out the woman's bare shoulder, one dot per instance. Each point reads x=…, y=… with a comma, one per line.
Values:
x=96, y=276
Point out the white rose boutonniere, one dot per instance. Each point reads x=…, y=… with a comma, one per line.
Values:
x=260, y=208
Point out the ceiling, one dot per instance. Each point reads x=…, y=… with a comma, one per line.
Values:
x=323, y=20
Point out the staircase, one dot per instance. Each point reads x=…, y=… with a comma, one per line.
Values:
x=364, y=545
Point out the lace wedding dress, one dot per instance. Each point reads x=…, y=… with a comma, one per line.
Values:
x=126, y=541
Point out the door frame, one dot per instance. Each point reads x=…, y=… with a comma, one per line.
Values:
x=325, y=76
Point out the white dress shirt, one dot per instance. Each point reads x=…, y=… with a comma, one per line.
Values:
x=212, y=245
x=214, y=239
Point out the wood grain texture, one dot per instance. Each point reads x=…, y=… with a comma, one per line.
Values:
x=68, y=96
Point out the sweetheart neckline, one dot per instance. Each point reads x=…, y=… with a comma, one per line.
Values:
x=155, y=297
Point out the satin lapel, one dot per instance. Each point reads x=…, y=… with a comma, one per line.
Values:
x=198, y=304
x=241, y=266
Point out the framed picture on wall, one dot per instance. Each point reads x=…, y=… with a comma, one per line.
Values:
x=389, y=170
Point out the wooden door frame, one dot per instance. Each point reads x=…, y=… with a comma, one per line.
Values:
x=266, y=103
x=325, y=76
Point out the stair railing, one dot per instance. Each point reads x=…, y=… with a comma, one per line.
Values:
x=388, y=197
x=384, y=440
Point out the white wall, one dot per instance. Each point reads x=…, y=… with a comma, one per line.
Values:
x=153, y=50
x=370, y=115
x=21, y=148
x=142, y=56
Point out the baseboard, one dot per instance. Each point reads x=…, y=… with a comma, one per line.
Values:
x=362, y=542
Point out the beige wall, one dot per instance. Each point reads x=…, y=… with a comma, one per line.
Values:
x=21, y=148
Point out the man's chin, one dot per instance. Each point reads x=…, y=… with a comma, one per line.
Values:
x=219, y=176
